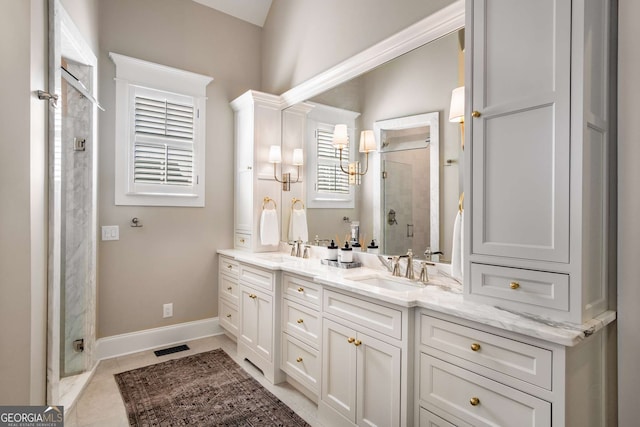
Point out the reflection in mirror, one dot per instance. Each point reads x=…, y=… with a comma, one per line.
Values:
x=409, y=191
x=417, y=82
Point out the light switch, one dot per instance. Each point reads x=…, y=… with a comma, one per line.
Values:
x=110, y=232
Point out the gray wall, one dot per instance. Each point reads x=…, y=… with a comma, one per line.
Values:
x=23, y=228
x=305, y=37
x=628, y=213
x=172, y=258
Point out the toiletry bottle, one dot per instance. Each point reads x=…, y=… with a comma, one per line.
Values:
x=372, y=248
x=356, y=247
x=346, y=253
x=332, y=252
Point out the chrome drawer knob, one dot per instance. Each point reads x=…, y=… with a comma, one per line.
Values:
x=475, y=346
x=514, y=285
x=474, y=401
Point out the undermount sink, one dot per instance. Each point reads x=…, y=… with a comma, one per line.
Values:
x=276, y=257
x=388, y=282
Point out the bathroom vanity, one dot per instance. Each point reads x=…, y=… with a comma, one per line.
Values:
x=372, y=349
x=525, y=341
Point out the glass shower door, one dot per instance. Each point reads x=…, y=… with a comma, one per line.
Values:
x=76, y=182
x=398, y=207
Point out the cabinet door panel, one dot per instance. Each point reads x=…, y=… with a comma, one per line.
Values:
x=520, y=141
x=249, y=317
x=264, y=341
x=338, y=369
x=378, y=379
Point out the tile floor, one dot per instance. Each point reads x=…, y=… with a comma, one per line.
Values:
x=101, y=405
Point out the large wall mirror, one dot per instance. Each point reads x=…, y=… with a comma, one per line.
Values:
x=406, y=102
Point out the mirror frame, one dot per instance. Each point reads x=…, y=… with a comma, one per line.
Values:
x=427, y=119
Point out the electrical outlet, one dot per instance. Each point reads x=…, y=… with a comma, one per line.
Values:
x=167, y=310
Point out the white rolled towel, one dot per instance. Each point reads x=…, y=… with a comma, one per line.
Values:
x=298, y=228
x=269, y=231
x=456, y=248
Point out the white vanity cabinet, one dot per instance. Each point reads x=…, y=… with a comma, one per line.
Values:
x=257, y=127
x=469, y=374
x=228, y=292
x=537, y=156
x=364, y=363
x=258, y=339
x=302, y=332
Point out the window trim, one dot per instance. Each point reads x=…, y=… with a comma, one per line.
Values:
x=134, y=74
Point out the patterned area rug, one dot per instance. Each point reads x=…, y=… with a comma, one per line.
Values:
x=205, y=389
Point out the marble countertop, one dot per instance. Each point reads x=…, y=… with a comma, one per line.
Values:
x=442, y=294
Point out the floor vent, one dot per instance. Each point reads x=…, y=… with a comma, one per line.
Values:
x=171, y=350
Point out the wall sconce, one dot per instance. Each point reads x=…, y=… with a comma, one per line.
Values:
x=456, y=110
x=275, y=157
x=367, y=144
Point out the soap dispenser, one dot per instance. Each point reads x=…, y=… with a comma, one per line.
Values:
x=332, y=252
x=346, y=253
x=373, y=248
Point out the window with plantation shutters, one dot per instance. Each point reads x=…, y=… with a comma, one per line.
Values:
x=163, y=147
x=160, y=143
x=330, y=179
x=327, y=186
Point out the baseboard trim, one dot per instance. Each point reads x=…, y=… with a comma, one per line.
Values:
x=120, y=345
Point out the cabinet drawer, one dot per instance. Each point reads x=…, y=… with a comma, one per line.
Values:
x=478, y=400
x=228, y=288
x=242, y=241
x=429, y=419
x=519, y=360
x=256, y=276
x=529, y=291
x=228, y=266
x=301, y=290
x=374, y=316
x=301, y=362
x=302, y=322
x=228, y=316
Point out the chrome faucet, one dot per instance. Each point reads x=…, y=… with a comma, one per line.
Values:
x=395, y=260
x=424, y=274
x=409, y=273
x=296, y=248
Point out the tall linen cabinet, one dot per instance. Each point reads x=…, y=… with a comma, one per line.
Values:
x=537, y=171
x=257, y=127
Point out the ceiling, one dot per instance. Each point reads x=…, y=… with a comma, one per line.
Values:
x=253, y=11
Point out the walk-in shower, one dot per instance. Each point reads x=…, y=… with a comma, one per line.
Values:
x=72, y=208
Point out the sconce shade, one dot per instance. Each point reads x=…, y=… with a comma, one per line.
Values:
x=298, y=158
x=340, y=137
x=275, y=154
x=456, y=110
x=367, y=141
